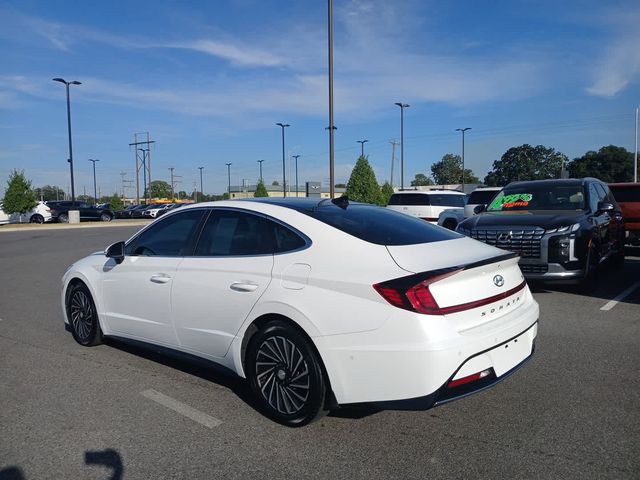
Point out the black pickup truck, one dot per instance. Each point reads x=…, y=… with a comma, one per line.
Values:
x=563, y=230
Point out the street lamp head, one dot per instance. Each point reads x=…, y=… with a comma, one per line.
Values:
x=463, y=129
x=283, y=125
x=61, y=80
x=75, y=82
x=402, y=105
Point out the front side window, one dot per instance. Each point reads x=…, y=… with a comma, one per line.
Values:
x=173, y=236
x=539, y=197
x=481, y=197
x=447, y=200
x=232, y=233
x=409, y=199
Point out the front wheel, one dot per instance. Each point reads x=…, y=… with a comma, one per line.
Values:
x=590, y=280
x=286, y=375
x=83, y=317
x=105, y=217
x=63, y=218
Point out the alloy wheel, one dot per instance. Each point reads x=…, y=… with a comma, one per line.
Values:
x=282, y=374
x=82, y=314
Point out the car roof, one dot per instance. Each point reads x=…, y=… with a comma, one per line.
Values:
x=431, y=191
x=624, y=185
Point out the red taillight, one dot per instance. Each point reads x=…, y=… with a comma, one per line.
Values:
x=421, y=299
x=469, y=379
x=394, y=297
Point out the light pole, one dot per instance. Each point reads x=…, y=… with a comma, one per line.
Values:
x=635, y=156
x=402, y=107
x=362, y=142
x=260, y=162
x=463, y=130
x=229, y=177
x=296, y=157
x=332, y=180
x=144, y=172
x=284, y=178
x=201, y=191
x=95, y=190
x=70, y=160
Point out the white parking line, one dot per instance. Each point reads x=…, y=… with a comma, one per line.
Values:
x=183, y=409
x=612, y=303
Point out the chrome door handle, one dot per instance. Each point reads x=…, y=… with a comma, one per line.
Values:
x=243, y=286
x=160, y=278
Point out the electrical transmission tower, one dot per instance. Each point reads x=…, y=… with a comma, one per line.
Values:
x=125, y=185
x=174, y=182
x=142, y=162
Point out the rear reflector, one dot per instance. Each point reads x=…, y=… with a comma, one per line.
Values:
x=469, y=379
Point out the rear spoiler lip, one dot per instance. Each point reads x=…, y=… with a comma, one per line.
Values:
x=411, y=280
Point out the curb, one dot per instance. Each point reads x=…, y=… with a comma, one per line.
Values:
x=29, y=227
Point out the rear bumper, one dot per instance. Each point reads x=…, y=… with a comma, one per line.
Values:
x=412, y=361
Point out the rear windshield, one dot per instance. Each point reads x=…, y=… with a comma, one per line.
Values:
x=481, y=197
x=422, y=199
x=626, y=194
x=381, y=226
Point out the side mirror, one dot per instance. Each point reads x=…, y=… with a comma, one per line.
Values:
x=605, y=207
x=479, y=209
x=115, y=251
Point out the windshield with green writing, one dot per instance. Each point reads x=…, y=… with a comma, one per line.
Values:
x=539, y=197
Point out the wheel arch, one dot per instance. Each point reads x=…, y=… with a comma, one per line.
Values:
x=258, y=323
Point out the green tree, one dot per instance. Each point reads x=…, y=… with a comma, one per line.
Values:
x=275, y=183
x=49, y=192
x=159, y=189
x=182, y=195
x=448, y=171
x=526, y=163
x=261, y=190
x=114, y=200
x=362, y=185
x=609, y=164
x=421, y=180
x=386, y=192
x=18, y=196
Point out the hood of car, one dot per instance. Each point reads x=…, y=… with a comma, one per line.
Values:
x=541, y=218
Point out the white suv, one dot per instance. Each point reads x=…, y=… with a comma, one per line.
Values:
x=39, y=214
x=426, y=204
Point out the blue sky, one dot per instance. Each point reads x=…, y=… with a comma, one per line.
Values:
x=209, y=80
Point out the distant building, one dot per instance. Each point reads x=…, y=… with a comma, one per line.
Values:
x=468, y=187
x=247, y=191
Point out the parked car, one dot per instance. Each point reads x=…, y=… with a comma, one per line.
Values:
x=126, y=211
x=563, y=230
x=276, y=291
x=60, y=211
x=39, y=214
x=172, y=206
x=139, y=212
x=451, y=217
x=153, y=212
x=628, y=197
x=426, y=204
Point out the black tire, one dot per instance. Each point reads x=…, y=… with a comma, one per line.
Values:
x=285, y=375
x=63, y=218
x=82, y=315
x=105, y=217
x=450, y=224
x=36, y=218
x=589, y=282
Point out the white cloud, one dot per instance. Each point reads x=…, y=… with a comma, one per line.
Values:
x=237, y=55
x=619, y=64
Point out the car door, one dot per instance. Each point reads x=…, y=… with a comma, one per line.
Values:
x=137, y=292
x=614, y=235
x=600, y=220
x=215, y=290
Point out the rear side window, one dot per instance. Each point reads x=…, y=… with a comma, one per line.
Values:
x=447, y=200
x=626, y=194
x=285, y=239
x=378, y=225
x=409, y=199
x=231, y=233
x=481, y=197
x=171, y=237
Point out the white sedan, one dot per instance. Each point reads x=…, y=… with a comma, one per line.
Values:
x=318, y=304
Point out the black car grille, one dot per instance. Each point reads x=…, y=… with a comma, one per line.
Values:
x=524, y=241
x=534, y=268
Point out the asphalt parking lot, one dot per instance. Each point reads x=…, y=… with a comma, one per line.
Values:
x=115, y=411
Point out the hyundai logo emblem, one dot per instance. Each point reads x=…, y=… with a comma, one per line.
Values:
x=498, y=280
x=504, y=236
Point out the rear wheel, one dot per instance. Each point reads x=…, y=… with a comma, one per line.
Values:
x=36, y=218
x=63, y=218
x=286, y=375
x=83, y=317
x=105, y=217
